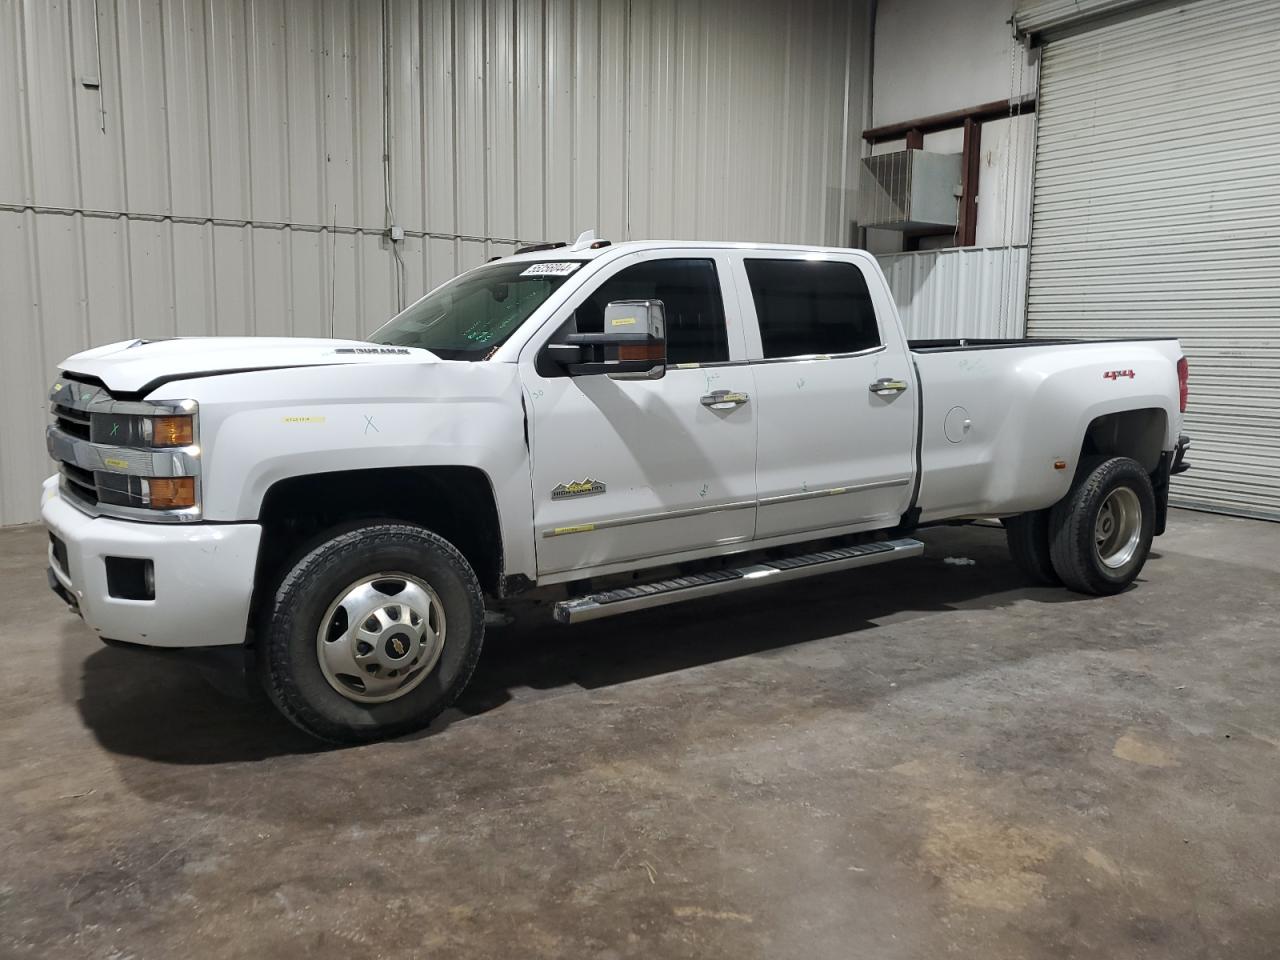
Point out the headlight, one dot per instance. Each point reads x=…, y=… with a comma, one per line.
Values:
x=146, y=493
x=135, y=459
x=138, y=430
x=170, y=493
x=171, y=431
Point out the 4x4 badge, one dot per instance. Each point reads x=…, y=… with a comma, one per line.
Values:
x=579, y=488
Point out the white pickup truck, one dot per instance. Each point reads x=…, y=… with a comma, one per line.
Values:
x=604, y=426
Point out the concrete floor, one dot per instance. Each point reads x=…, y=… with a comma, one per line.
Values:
x=916, y=760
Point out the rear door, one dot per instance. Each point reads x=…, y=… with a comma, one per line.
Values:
x=836, y=415
x=631, y=470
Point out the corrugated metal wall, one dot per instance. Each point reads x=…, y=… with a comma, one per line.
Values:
x=1157, y=213
x=959, y=291
x=227, y=175
x=1033, y=16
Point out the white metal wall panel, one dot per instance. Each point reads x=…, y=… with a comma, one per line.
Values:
x=227, y=176
x=955, y=292
x=1157, y=212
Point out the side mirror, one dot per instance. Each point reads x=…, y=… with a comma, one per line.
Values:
x=633, y=345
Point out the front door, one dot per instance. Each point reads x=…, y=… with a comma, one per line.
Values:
x=634, y=470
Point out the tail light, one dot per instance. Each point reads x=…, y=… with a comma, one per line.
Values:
x=1182, y=384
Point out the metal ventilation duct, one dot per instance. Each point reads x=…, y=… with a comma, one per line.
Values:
x=910, y=190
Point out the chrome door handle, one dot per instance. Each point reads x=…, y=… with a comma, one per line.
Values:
x=887, y=386
x=724, y=399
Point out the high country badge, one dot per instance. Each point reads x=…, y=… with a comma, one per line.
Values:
x=579, y=488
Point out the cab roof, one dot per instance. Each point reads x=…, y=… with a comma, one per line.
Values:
x=599, y=248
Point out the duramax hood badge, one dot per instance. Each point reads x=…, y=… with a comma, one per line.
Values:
x=579, y=488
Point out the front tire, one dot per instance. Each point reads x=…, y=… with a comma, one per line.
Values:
x=1100, y=532
x=373, y=633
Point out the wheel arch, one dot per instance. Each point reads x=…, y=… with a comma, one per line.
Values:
x=456, y=502
x=1138, y=434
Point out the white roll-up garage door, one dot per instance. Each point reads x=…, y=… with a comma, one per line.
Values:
x=1157, y=212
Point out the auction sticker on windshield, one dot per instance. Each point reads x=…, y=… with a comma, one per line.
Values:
x=560, y=268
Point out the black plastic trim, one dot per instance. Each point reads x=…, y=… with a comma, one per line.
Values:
x=1180, y=464
x=130, y=578
x=516, y=583
x=56, y=586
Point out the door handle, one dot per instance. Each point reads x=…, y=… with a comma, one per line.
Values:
x=724, y=399
x=887, y=386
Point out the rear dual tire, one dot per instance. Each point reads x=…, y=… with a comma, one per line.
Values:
x=1028, y=536
x=1100, y=533
x=1096, y=539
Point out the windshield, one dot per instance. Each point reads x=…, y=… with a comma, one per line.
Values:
x=472, y=315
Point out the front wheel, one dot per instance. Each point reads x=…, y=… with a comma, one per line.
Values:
x=1100, y=533
x=373, y=633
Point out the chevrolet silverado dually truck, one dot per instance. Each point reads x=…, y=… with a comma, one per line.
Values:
x=602, y=427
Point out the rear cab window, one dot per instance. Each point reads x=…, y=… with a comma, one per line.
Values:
x=811, y=307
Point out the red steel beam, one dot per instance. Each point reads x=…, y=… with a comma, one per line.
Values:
x=952, y=120
x=970, y=168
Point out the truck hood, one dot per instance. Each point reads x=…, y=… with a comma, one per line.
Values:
x=139, y=366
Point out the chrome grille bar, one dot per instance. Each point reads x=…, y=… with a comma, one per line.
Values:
x=176, y=462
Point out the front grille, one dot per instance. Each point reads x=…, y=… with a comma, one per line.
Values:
x=76, y=423
x=80, y=483
x=107, y=457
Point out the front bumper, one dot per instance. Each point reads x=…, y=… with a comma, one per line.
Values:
x=203, y=575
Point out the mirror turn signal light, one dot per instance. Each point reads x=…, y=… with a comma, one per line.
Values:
x=643, y=351
x=173, y=431
x=171, y=493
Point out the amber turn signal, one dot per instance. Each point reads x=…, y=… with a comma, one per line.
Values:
x=643, y=351
x=173, y=431
x=172, y=493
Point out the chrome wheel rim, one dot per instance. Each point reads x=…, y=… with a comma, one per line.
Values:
x=381, y=637
x=1118, y=529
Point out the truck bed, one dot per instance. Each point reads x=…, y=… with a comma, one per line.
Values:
x=997, y=415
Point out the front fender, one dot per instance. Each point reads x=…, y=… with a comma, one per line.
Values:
x=257, y=429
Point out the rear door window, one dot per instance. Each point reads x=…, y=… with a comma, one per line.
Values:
x=808, y=307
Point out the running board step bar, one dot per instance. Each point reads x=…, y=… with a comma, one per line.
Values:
x=625, y=599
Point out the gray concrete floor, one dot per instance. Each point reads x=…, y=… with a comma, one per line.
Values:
x=917, y=760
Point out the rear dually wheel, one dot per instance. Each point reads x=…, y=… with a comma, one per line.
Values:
x=1028, y=537
x=1100, y=533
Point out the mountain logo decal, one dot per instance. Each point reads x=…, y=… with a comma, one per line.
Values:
x=578, y=488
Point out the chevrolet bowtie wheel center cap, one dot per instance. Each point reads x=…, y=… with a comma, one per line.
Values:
x=398, y=645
